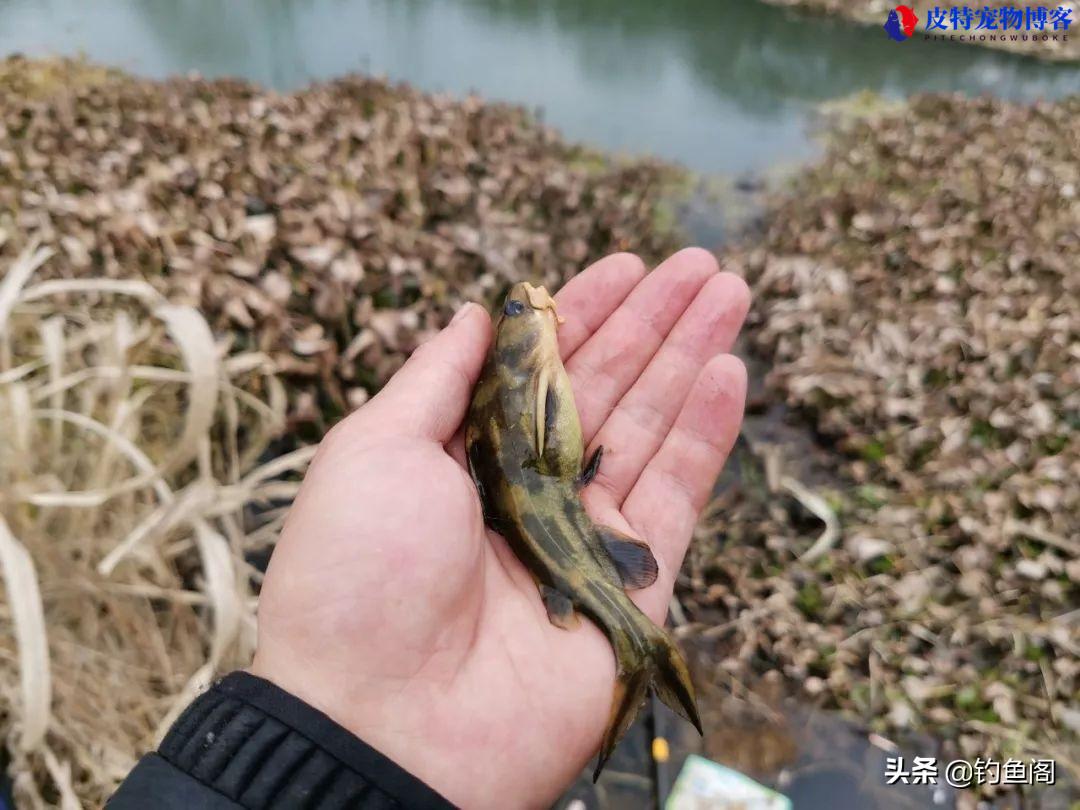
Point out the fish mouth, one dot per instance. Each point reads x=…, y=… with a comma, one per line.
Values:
x=540, y=299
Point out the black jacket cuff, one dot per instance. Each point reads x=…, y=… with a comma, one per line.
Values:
x=246, y=743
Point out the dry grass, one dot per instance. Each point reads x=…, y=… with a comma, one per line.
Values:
x=131, y=494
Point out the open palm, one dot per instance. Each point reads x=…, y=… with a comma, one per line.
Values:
x=391, y=608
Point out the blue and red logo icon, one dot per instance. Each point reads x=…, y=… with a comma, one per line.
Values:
x=901, y=23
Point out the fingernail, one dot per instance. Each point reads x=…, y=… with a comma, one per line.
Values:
x=461, y=312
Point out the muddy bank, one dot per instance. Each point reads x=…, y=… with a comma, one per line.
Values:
x=1036, y=43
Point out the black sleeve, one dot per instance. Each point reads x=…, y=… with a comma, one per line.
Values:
x=245, y=743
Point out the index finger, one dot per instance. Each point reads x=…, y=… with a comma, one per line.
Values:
x=586, y=300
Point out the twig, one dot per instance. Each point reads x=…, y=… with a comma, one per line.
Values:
x=1024, y=743
x=816, y=504
x=1047, y=538
x=678, y=615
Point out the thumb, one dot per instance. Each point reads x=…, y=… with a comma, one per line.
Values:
x=427, y=398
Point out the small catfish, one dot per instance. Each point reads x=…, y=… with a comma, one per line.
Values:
x=525, y=451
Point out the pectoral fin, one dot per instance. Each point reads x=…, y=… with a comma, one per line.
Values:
x=560, y=609
x=633, y=559
x=591, y=468
x=545, y=410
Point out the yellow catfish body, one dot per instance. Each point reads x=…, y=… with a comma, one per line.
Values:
x=524, y=445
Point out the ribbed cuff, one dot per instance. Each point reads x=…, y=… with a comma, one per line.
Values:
x=262, y=747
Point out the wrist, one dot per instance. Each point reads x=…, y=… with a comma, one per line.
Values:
x=372, y=717
x=416, y=733
x=249, y=740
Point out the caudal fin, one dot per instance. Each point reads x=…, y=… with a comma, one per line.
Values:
x=664, y=669
x=671, y=680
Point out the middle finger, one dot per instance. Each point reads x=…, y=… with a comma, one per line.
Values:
x=640, y=422
x=608, y=363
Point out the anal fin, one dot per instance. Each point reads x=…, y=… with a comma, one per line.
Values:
x=560, y=609
x=630, y=691
x=633, y=559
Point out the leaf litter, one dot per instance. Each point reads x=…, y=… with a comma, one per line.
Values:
x=915, y=301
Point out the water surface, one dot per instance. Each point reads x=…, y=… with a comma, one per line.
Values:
x=722, y=86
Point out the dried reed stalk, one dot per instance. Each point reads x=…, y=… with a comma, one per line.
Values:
x=133, y=490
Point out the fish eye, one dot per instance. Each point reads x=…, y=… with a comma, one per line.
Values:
x=514, y=307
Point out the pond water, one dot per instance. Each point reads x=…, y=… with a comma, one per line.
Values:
x=723, y=86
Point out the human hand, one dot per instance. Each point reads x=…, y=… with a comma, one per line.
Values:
x=390, y=607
